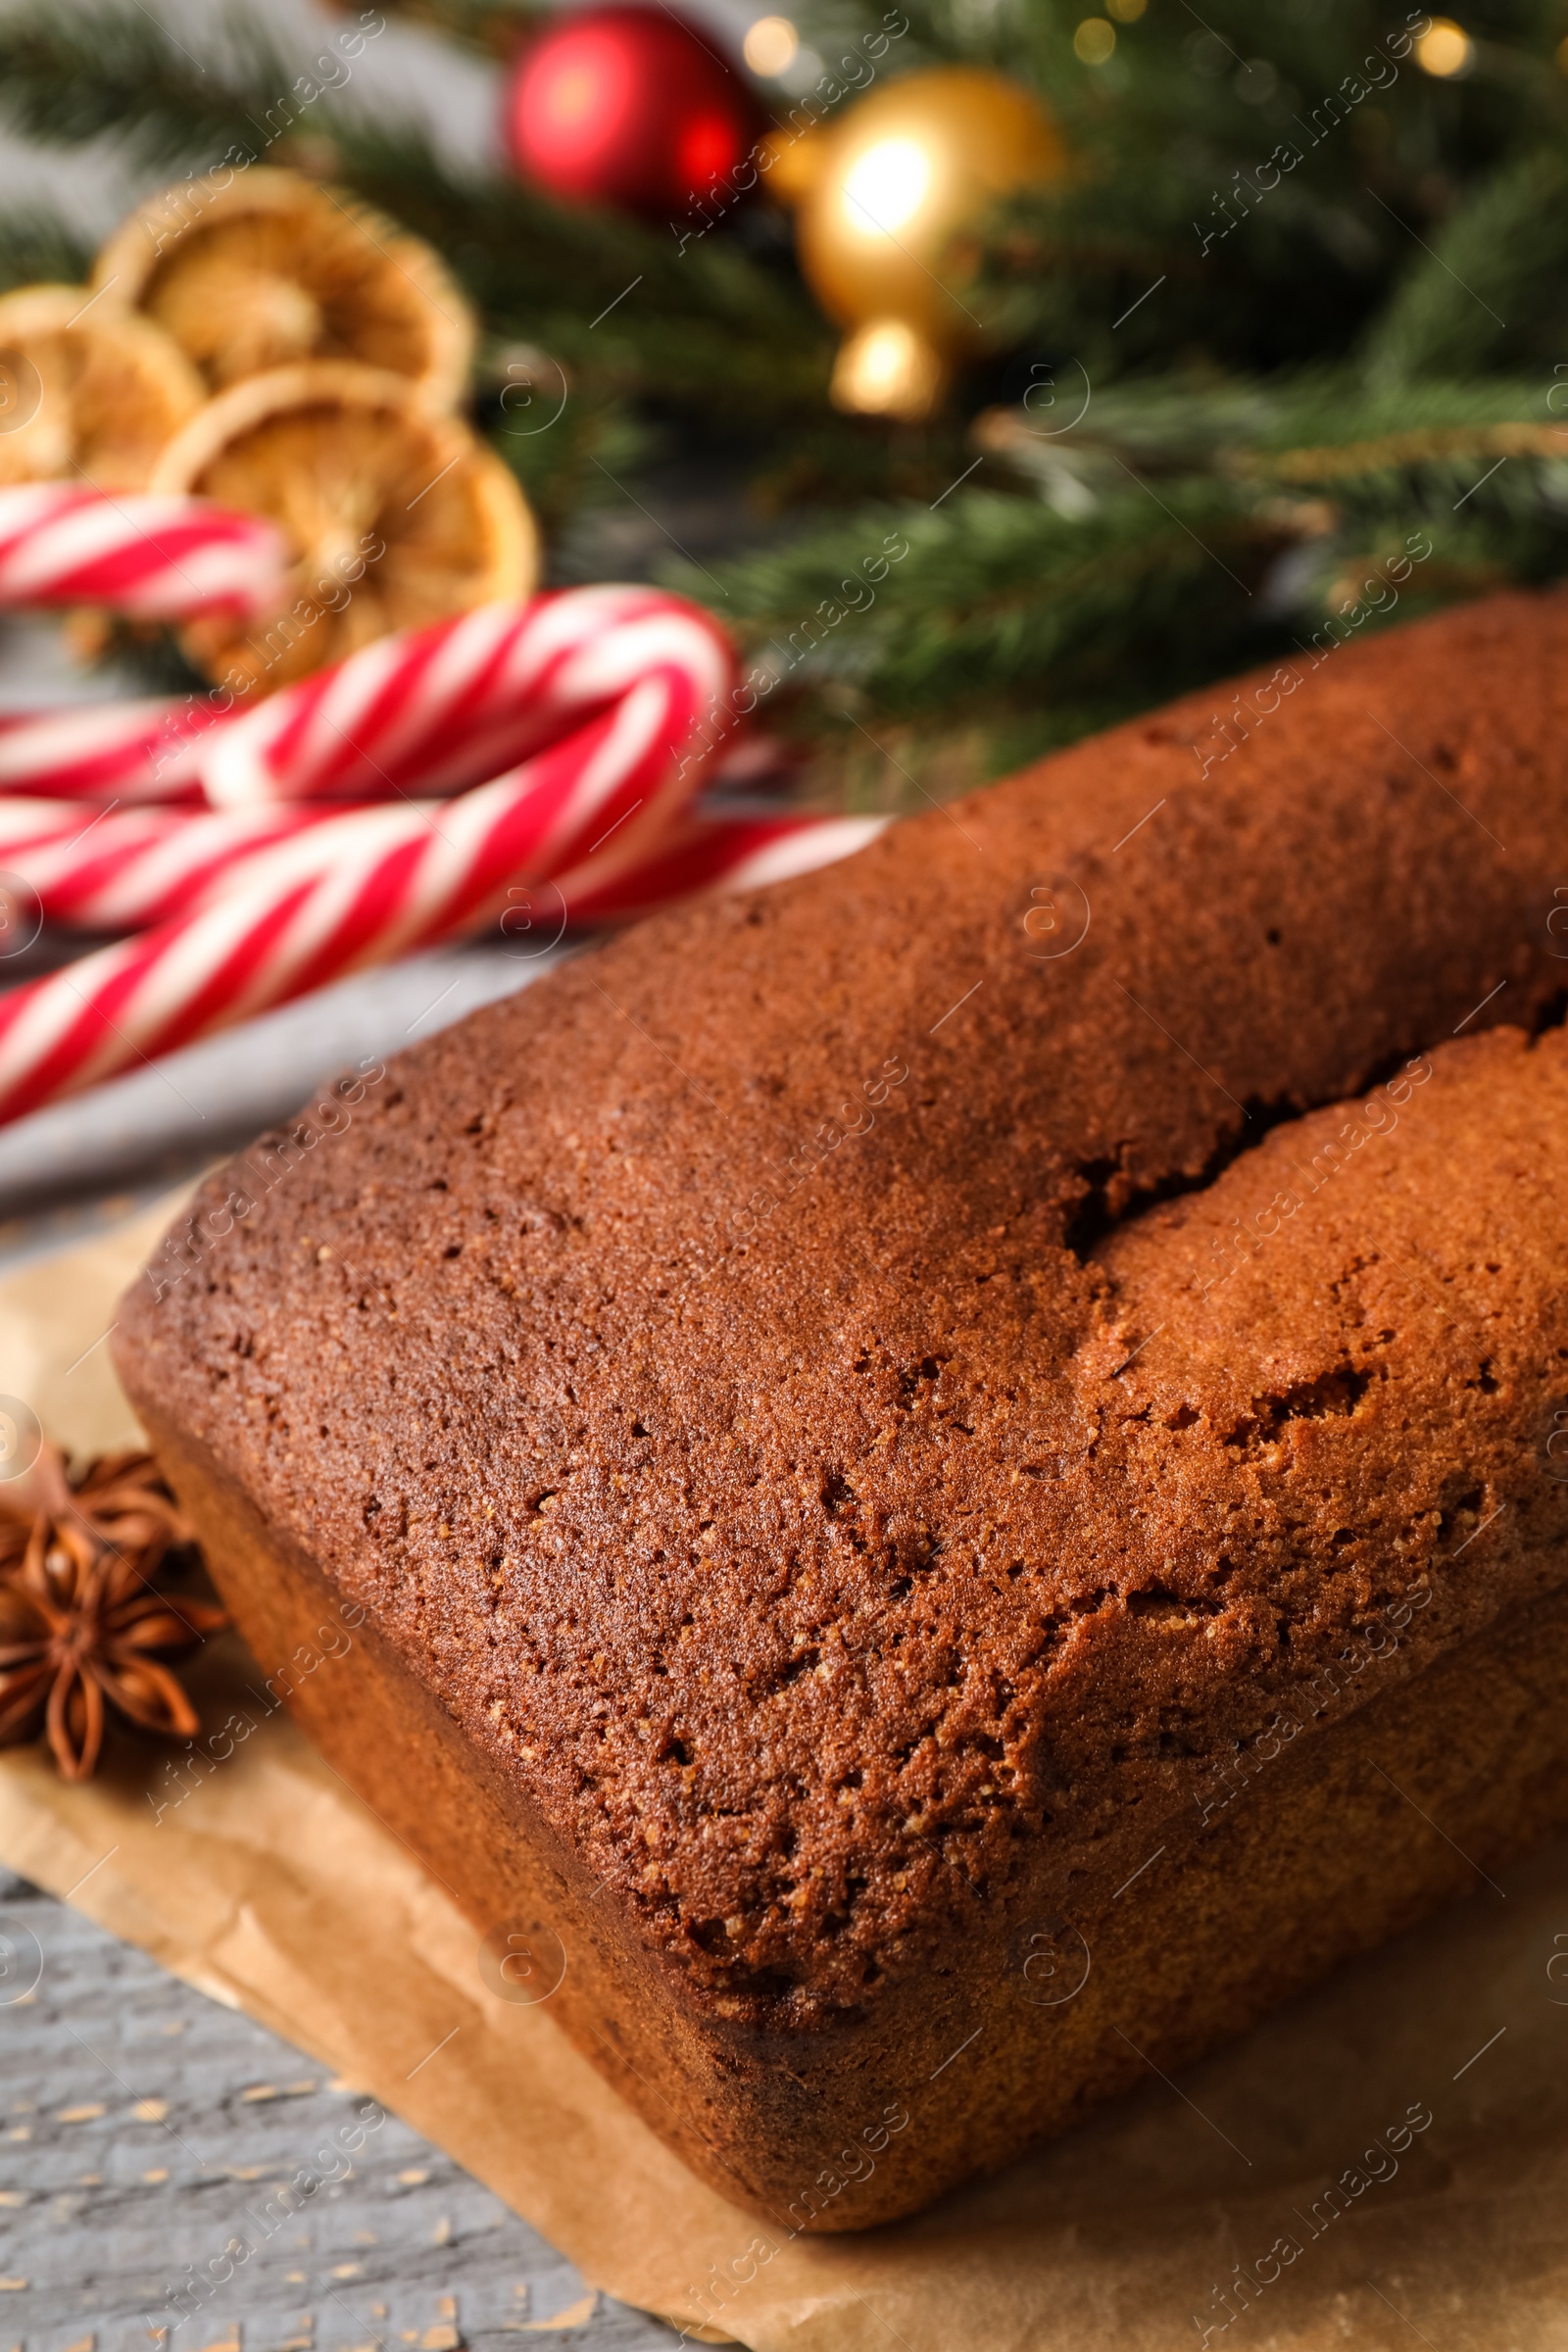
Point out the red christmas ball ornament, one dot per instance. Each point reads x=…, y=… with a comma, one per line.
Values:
x=628, y=106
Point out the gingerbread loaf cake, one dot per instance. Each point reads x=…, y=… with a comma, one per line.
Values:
x=951, y=1469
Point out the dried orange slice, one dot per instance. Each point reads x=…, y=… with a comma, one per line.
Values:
x=260, y=269
x=394, y=513
x=86, y=391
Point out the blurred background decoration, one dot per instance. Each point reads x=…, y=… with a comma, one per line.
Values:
x=1155, y=338
x=627, y=105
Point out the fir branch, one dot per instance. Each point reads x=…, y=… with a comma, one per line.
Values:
x=1396, y=453
x=493, y=28
x=1271, y=167
x=37, y=246
x=997, y=596
x=1491, y=289
x=110, y=70
x=1313, y=428
x=1180, y=530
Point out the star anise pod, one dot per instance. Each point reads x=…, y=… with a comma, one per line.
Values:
x=82, y=1622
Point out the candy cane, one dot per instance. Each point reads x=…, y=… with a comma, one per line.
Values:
x=283, y=886
x=128, y=871
x=710, y=851
x=141, y=751
x=441, y=709
x=427, y=712
x=125, y=870
x=369, y=886
x=153, y=559
x=240, y=955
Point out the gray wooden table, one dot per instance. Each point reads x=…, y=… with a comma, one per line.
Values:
x=140, y=2118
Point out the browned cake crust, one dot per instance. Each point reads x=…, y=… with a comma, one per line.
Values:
x=821, y=1528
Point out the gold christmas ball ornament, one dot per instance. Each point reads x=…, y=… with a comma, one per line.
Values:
x=886, y=199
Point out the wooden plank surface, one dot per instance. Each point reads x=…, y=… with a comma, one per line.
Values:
x=141, y=2123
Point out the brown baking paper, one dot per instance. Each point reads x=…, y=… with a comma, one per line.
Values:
x=1405, y=2129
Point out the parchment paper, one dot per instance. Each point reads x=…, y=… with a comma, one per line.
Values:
x=273, y=1888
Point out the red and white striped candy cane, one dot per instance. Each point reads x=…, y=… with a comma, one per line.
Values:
x=240, y=955
x=125, y=869
x=128, y=870
x=153, y=558
x=425, y=712
x=138, y=750
x=441, y=709
x=369, y=886
x=272, y=895
x=713, y=850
